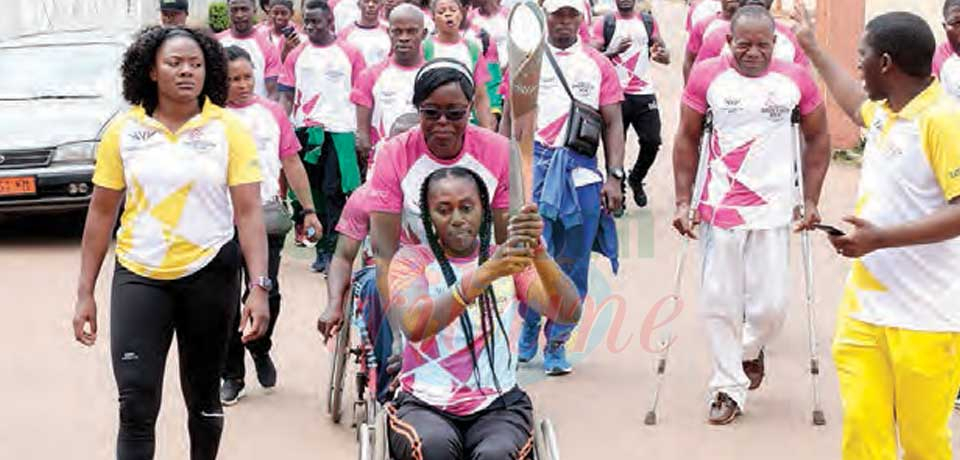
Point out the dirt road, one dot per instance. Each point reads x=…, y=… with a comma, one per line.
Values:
x=58, y=399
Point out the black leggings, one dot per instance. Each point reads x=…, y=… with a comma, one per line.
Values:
x=143, y=317
x=504, y=430
x=327, y=192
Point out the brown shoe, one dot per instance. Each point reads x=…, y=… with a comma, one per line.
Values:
x=754, y=370
x=723, y=410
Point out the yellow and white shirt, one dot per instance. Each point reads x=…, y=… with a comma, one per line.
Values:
x=911, y=169
x=178, y=212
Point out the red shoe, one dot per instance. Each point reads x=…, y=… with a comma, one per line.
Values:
x=299, y=235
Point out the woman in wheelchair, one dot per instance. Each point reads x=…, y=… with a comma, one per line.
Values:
x=455, y=299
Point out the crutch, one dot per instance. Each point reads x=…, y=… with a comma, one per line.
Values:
x=818, y=418
x=667, y=339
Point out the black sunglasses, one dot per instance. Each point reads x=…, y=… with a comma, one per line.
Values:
x=434, y=114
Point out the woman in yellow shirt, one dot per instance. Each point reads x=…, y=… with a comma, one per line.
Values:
x=188, y=172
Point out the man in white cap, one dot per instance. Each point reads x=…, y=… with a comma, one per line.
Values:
x=576, y=201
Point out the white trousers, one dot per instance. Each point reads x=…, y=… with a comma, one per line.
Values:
x=744, y=295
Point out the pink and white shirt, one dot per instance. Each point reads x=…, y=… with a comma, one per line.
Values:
x=632, y=65
x=265, y=56
x=345, y=13
x=439, y=370
x=387, y=89
x=322, y=78
x=461, y=52
x=591, y=78
x=354, y=220
x=946, y=67
x=496, y=27
x=274, y=137
x=373, y=43
x=786, y=49
x=750, y=175
x=404, y=161
x=702, y=28
x=700, y=10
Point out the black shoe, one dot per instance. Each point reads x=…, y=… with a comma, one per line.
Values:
x=754, y=368
x=231, y=391
x=266, y=371
x=639, y=195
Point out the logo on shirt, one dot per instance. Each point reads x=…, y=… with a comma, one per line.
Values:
x=583, y=88
x=955, y=174
x=334, y=74
x=195, y=140
x=142, y=136
x=732, y=105
x=774, y=110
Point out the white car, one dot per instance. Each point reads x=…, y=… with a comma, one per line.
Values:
x=58, y=90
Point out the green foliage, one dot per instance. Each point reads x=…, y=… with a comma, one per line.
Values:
x=218, y=17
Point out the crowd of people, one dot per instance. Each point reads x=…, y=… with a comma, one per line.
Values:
x=384, y=125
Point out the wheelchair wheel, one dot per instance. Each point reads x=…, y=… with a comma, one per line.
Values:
x=338, y=364
x=545, y=441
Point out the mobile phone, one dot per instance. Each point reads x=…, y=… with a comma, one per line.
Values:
x=829, y=230
x=287, y=31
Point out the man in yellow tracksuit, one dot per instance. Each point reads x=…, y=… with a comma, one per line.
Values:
x=897, y=344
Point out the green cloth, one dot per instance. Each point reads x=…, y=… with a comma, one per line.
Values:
x=345, y=146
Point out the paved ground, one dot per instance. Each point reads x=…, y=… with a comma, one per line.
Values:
x=59, y=399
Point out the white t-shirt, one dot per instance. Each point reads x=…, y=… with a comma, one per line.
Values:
x=265, y=56
x=750, y=177
x=496, y=27
x=700, y=10
x=632, y=65
x=911, y=169
x=387, y=88
x=946, y=66
x=374, y=43
x=345, y=13
x=275, y=140
x=322, y=78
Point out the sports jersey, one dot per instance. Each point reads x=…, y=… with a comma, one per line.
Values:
x=632, y=65
x=592, y=80
x=277, y=39
x=265, y=56
x=274, y=139
x=440, y=370
x=373, y=43
x=387, y=89
x=946, y=67
x=466, y=50
x=750, y=177
x=700, y=10
x=911, y=169
x=404, y=161
x=178, y=212
x=786, y=49
x=321, y=78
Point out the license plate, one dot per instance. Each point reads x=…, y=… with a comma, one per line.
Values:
x=18, y=186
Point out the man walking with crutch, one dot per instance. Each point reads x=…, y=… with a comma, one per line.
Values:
x=897, y=344
x=748, y=199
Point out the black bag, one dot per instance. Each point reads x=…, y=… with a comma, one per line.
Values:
x=610, y=26
x=584, y=125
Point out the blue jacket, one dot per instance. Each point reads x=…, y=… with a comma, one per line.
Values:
x=556, y=195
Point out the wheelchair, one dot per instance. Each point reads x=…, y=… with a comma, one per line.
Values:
x=374, y=440
x=354, y=348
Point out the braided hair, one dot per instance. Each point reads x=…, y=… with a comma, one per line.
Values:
x=487, y=301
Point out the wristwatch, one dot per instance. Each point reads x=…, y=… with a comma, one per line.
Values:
x=307, y=211
x=617, y=173
x=262, y=282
